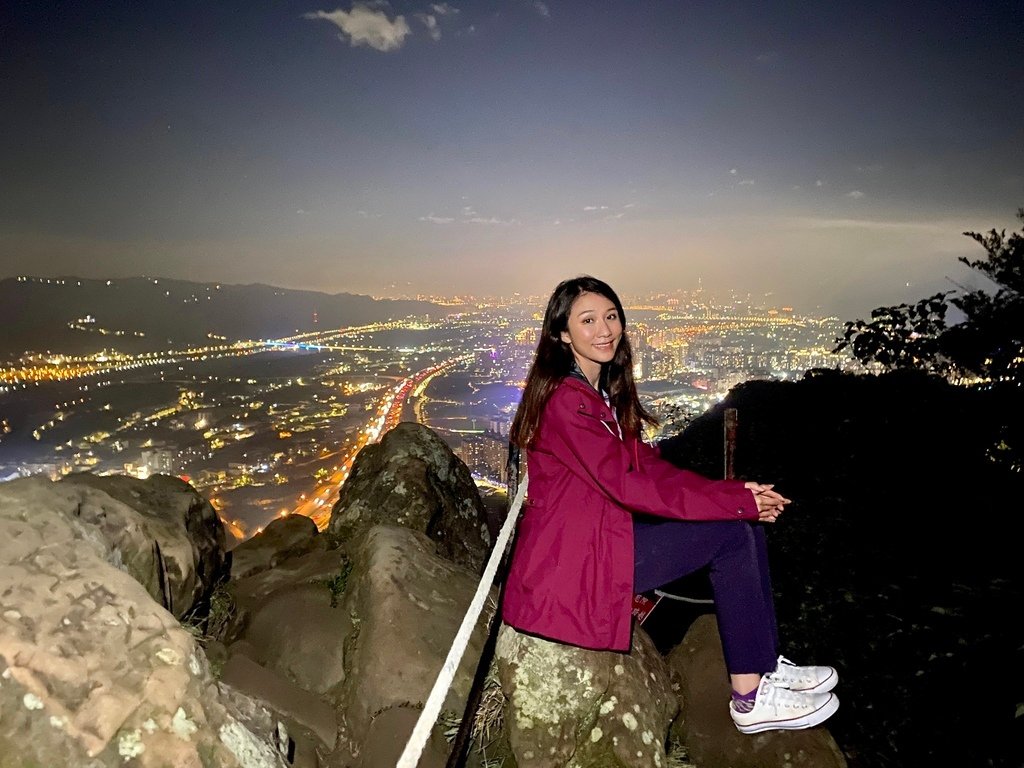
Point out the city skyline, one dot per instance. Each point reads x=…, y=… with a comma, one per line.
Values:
x=830, y=156
x=269, y=428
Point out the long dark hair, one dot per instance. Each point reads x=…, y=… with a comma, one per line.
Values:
x=554, y=361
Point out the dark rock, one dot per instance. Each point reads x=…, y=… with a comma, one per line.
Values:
x=175, y=545
x=412, y=479
x=706, y=729
x=298, y=634
x=407, y=604
x=283, y=697
x=897, y=560
x=249, y=594
x=284, y=537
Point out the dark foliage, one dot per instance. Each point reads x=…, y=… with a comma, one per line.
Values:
x=903, y=336
x=985, y=349
x=896, y=561
x=988, y=343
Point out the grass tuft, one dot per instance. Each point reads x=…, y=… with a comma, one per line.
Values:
x=339, y=581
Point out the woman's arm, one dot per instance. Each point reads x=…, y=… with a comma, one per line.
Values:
x=578, y=437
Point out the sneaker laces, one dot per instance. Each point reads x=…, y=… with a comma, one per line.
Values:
x=794, y=672
x=776, y=694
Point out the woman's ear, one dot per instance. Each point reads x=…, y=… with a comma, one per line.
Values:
x=566, y=338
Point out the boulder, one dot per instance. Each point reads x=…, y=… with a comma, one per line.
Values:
x=362, y=636
x=411, y=478
x=297, y=633
x=93, y=671
x=317, y=569
x=160, y=530
x=706, y=729
x=291, y=702
x=569, y=706
x=283, y=538
x=407, y=604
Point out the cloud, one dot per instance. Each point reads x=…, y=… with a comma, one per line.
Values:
x=746, y=182
x=437, y=219
x=855, y=194
x=468, y=210
x=819, y=183
x=432, y=19
x=430, y=22
x=595, y=207
x=930, y=227
x=542, y=9
x=365, y=26
x=491, y=220
x=733, y=171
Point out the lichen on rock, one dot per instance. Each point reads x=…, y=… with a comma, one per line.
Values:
x=562, y=703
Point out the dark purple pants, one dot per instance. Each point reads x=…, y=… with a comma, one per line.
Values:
x=737, y=556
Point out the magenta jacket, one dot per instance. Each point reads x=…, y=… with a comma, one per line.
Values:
x=571, y=576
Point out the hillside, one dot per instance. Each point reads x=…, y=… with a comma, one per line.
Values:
x=43, y=314
x=896, y=561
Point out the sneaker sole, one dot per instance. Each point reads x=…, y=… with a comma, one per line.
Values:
x=817, y=717
x=824, y=686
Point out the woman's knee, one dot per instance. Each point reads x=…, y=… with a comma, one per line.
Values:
x=737, y=536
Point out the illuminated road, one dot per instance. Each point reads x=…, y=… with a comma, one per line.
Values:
x=318, y=505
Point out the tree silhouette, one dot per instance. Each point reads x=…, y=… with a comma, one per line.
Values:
x=902, y=336
x=985, y=348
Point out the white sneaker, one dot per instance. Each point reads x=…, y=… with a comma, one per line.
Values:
x=778, y=708
x=804, y=679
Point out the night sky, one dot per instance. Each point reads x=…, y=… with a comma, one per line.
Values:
x=828, y=153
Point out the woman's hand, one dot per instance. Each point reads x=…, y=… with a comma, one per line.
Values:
x=770, y=503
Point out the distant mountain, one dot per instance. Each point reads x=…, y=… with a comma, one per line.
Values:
x=69, y=314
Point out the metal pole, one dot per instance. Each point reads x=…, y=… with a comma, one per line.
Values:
x=730, y=443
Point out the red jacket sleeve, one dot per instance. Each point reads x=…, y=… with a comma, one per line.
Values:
x=648, y=452
x=592, y=449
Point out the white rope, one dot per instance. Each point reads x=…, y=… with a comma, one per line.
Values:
x=432, y=708
x=682, y=599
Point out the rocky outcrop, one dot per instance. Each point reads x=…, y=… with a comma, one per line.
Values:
x=289, y=620
x=347, y=650
x=326, y=655
x=407, y=604
x=93, y=671
x=285, y=642
x=575, y=707
x=160, y=530
x=706, y=728
x=281, y=539
x=411, y=478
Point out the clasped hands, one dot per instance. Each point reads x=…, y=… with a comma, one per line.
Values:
x=770, y=503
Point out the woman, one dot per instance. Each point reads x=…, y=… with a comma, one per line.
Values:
x=589, y=538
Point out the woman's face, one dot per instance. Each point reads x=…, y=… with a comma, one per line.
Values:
x=593, y=333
